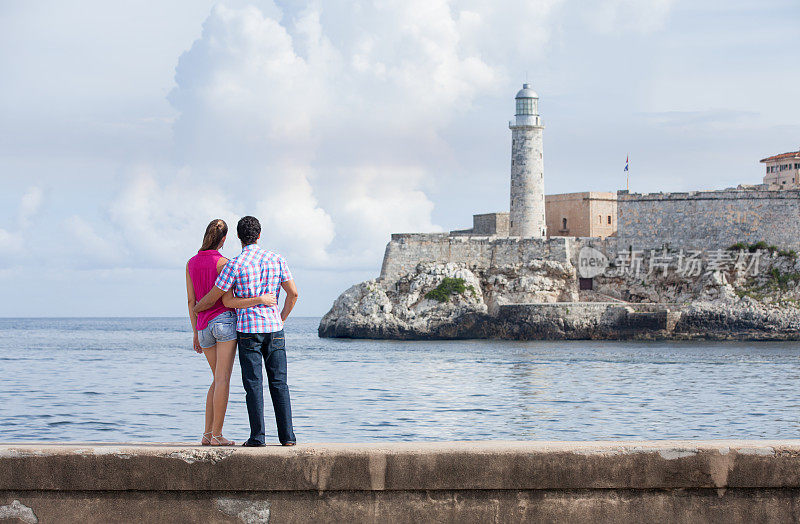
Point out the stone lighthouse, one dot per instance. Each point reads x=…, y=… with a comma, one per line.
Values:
x=526, y=218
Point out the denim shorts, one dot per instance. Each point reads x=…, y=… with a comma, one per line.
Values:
x=221, y=328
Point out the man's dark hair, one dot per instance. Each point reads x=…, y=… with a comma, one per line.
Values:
x=248, y=229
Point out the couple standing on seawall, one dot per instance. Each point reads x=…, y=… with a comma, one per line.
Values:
x=240, y=305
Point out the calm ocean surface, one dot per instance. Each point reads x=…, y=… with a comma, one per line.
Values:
x=139, y=380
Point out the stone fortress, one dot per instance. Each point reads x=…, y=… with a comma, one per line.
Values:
x=714, y=219
x=525, y=267
x=557, y=225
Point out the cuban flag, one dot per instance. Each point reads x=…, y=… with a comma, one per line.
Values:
x=626, y=162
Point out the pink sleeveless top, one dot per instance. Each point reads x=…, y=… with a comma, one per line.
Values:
x=203, y=272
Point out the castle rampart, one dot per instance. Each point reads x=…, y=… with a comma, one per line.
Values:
x=708, y=219
x=406, y=250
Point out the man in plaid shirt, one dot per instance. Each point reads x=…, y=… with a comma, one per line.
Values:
x=260, y=328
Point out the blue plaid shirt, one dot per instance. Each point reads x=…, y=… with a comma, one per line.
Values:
x=255, y=272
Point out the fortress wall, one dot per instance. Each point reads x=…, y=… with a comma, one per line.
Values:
x=708, y=219
x=607, y=245
x=639, y=481
x=406, y=250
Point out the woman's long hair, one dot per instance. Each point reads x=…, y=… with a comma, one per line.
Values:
x=215, y=232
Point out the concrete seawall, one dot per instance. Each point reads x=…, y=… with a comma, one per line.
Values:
x=666, y=481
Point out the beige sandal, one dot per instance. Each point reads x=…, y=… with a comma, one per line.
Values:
x=219, y=440
x=206, y=440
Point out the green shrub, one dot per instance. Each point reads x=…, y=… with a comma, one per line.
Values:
x=743, y=246
x=447, y=287
x=791, y=253
x=780, y=280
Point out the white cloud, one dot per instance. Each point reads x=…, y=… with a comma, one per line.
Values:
x=376, y=200
x=325, y=120
x=10, y=243
x=320, y=119
x=314, y=114
x=290, y=217
x=12, y=240
x=101, y=250
x=161, y=221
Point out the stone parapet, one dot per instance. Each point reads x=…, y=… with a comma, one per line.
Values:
x=406, y=250
x=665, y=481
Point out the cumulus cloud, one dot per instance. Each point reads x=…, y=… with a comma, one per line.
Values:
x=291, y=217
x=12, y=238
x=325, y=120
x=319, y=115
x=378, y=200
x=103, y=249
x=161, y=220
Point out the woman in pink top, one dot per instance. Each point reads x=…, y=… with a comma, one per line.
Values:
x=215, y=328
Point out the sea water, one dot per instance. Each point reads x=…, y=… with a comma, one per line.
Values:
x=138, y=379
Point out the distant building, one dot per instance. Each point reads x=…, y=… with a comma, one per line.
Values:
x=587, y=214
x=783, y=171
x=486, y=224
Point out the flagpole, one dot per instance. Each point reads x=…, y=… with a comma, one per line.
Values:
x=627, y=176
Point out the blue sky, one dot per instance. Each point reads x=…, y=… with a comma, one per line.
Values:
x=126, y=126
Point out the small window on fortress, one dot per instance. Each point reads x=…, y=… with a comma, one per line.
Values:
x=609, y=220
x=564, y=224
x=600, y=218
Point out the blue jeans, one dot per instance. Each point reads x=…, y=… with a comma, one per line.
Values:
x=271, y=347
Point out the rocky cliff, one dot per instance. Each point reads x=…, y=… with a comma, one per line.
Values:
x=540, y=299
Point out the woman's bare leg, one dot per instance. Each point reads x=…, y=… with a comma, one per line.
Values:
x=226, y=351
x=211, y=356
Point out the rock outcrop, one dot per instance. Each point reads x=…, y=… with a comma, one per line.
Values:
x=540, y=300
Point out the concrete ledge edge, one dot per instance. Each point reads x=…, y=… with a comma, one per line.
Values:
x=624, y=465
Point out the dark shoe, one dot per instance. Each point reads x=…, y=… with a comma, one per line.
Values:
x=288, y=443
x=252, y=444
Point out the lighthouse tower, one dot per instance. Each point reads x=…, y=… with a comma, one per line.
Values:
x=527, y=168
